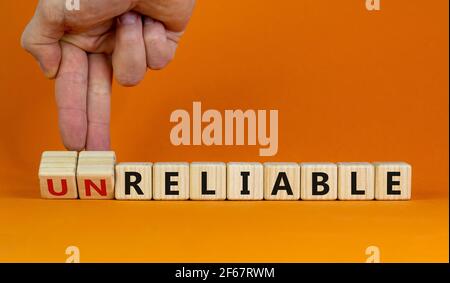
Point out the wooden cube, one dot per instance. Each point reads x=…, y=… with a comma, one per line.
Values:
x=133, y=181
x=208, y=181
x=57, y=175
x=356, y=181
x=392, y=180
x=171, y=181
x=281, y=181
x=318, y=181
x=245, y=181
x=95, y=174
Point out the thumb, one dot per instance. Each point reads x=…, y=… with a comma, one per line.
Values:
x=41, y=36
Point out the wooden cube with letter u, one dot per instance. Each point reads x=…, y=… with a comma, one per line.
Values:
x=57, y=175
x=208, y=181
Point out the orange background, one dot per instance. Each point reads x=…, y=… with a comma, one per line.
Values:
x=349, y=84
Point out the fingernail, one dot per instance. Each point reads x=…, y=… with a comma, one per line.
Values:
x=128, y=18
x=148, y=20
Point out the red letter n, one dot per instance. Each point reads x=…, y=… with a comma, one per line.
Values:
x=101, y=191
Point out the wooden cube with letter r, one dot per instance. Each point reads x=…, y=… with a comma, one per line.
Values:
x=133, y=181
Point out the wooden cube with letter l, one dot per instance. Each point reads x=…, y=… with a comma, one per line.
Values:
x=356, y=181
x=392, y=180
x=318, y=181
x=208, y=181
x=171, y=181
x=95, y=175
x=133, y=181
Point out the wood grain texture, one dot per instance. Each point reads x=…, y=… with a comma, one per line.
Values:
x=96, y=175
x=177, y=175
x=398, y=174
x=281, y=181
x=57, y=175
x=215, y=187
x=356, y=181
x=139, y=174
x=311, y=171
x=245, y=181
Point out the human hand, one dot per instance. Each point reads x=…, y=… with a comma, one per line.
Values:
x=80, y=49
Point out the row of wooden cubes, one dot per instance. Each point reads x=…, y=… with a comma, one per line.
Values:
x=95, y=175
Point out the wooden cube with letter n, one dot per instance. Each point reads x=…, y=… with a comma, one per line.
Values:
x=95, y=175
x=57, y=175
x=356, y=181
x=281, y=181
x=133, y=181
x=392, y=180
x=171, y=181
x=208, y=181
x=245, y=181
x=318, y=181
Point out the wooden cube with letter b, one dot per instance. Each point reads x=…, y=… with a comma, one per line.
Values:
x=356, y=181
x=245, y=181
x=95, y=174
x=208, y=181
x=57, y=175
x=171, y=181
x=281, y=181
x=133, y=181
x=392, y=180
x=318, y=181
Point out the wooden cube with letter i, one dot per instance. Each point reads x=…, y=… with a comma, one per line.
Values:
x=245, y=181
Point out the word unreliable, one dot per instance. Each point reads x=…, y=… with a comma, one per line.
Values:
x=95, y=175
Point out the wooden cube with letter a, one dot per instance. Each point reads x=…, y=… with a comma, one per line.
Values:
x=356, y=181
x=281, y=181
x=208, y=181
x=95, y=175
x=318, y=181
x=171, y=181
x=392, y=180
x=133, y=181
x=57, y=175
x=245, y=181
